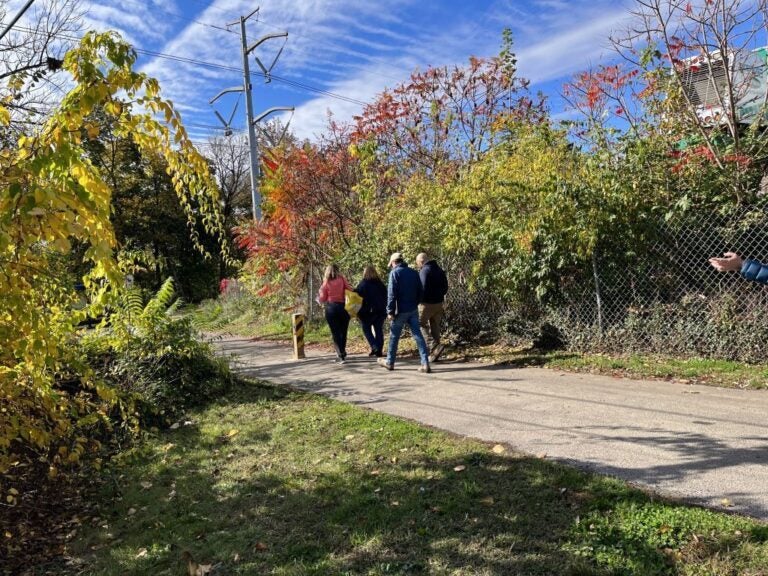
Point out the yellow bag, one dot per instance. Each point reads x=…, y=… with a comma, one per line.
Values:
x=352, y=302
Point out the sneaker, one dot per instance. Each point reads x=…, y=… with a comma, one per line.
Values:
x=436, y=353
x=383, y=362
x=425, y=368
x=373, y=353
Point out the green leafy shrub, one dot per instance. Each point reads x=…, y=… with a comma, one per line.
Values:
x=153, y=357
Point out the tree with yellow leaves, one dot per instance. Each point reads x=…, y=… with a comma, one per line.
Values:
x=51, y=197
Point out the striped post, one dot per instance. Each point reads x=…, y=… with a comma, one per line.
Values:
x=298, y=336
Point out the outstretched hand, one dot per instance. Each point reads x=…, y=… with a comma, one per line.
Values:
x=730, y=262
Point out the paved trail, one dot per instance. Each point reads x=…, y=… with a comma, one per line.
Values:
x=699, y=443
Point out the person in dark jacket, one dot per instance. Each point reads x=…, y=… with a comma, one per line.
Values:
x=750, y=269
x=431, y=308
x=404, y=293
x=373, y=311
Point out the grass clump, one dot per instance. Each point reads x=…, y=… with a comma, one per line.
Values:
x=713, y=372
x=248, y=316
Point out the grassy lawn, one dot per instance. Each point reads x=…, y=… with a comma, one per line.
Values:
x=269, y=481
x=692, y=370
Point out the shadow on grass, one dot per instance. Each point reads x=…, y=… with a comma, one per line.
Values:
x=310, y=486
x=535, y=358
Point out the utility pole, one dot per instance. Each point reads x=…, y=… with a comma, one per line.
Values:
x=16, y=19
x=253, y=143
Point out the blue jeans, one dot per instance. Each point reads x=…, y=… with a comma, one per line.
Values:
x=396, y=328
x=373, y=330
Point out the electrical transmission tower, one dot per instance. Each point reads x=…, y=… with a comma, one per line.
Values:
x=253, y=144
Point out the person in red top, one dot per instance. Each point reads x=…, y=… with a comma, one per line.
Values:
x=331, y=295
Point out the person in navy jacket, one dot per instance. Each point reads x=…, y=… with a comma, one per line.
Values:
x=404, y=293
x=431, y=307
x=373, y=311
x=750, y=269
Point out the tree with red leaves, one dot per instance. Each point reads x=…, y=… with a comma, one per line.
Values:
x=703, y=82
x=444, y=118
x=311, y=210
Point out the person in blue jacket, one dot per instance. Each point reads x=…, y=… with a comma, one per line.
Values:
x=373, y=311
x=404, y=293
x=750, y=269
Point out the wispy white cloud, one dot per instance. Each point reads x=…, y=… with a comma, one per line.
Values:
x=571, y=49
x=348, y=47
x=546, y=51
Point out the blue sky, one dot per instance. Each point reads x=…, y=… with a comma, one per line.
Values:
x=351, y=49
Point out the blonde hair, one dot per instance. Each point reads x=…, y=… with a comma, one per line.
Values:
x=331, y=272
x=369, y=273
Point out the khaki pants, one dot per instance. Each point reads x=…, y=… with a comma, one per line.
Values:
x=430, y=317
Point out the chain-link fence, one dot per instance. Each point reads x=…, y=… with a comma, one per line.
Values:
x=655, y=295
x=661, y=296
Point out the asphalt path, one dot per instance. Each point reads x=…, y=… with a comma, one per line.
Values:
x=701, y=444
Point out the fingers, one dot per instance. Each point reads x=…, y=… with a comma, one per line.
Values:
x=717, y=264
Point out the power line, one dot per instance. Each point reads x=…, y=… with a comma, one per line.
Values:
x=196, y=62
x=306, y=50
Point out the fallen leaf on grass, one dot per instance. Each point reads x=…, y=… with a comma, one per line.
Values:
x=459, y=468
x=146, y=485
x=260, y=547
x=142, y=553
x=488, y=501
x=224, y=438
x=498, y=449
x=349, y=437
x=193, y=568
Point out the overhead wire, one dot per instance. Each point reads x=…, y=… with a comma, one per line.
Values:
x=204, y=63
